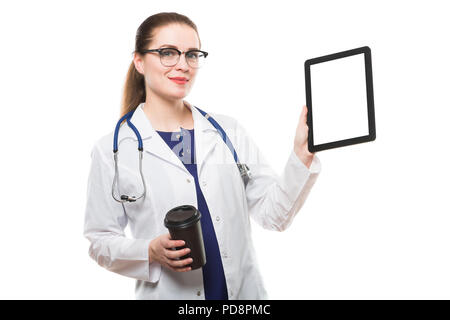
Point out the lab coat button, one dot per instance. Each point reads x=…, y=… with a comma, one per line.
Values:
x=225, y=255
x=178, y=136
x=199, y=293
x=188, y=180
x=217, y=218
x=204, y=183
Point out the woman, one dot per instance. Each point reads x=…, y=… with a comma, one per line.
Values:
x=185, y=161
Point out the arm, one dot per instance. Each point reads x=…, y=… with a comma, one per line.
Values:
x=105, y=221
x=273, y=200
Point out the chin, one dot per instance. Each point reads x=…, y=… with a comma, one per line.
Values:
x=181, y=93
x=178, y=95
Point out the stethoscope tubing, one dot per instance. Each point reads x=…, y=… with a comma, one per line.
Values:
x=125, y=198
x=244, y=170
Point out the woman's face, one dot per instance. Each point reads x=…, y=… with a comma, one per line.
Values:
x=157, y=76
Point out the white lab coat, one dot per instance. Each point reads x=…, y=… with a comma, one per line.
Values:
x=271, y=200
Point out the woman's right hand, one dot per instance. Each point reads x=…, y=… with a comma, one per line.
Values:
x=160, y=250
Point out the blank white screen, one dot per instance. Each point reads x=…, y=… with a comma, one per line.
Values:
x=338, y=96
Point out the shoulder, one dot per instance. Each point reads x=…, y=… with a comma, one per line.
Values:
x=224, y=120
x=103, y=146
x=234, y=129
x=233, y=126
x=227, y=122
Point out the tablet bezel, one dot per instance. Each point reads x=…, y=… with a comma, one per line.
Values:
x=369, y=93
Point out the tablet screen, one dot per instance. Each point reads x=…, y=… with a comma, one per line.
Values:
x=337, y=88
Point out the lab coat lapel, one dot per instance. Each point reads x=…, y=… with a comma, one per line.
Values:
x=152, y=141
x=206, y=137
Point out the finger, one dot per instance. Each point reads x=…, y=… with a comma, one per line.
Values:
x=173, y=243
x=180, y=263
x=165, y=239
x=180, y=269
x=174, y=254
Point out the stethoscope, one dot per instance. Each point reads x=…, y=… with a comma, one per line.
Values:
x=244, y=170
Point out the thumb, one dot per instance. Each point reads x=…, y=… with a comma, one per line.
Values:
x=304, y=112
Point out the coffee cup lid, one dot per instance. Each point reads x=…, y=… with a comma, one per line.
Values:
x=182, y=217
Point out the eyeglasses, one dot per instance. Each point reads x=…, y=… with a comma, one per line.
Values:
x=170, y=56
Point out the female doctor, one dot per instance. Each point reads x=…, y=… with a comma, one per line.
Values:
x=185, y=161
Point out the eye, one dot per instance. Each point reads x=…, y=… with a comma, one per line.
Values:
x=193, y=54
x=168, y=52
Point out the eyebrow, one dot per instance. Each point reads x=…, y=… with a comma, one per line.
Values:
x=172, y=46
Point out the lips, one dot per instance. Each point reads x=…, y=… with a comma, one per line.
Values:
x=179, y=78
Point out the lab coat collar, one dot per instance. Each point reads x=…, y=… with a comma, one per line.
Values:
x=204, y=133
x=143, y=124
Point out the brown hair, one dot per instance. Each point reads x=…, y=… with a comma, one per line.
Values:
x=134, y=88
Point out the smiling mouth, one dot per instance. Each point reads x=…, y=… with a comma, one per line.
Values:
x=179, y=79
x=181, y=82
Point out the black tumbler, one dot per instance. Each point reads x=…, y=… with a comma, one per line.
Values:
x=183, y=223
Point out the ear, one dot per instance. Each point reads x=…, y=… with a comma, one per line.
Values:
x=138, y=63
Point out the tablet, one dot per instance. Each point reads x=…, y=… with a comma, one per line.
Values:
x=339, y=98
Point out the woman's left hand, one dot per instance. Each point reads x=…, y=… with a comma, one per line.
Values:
x=301, y=140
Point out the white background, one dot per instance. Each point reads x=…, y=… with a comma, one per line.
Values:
x=375, y=225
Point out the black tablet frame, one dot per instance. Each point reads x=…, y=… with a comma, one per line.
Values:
x=369, y=93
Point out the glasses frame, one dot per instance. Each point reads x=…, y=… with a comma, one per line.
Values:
x=179, y=55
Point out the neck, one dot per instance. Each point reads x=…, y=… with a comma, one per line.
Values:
x=168, y=115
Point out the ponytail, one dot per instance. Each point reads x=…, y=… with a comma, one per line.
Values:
x=133, y=91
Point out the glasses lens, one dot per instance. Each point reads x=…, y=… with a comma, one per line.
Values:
x=195, y=58
x=169, y=57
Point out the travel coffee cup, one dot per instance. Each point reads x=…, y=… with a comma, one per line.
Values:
x=183, y=223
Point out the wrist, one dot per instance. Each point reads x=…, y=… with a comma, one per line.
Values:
x=305, y=157
x=150, y=253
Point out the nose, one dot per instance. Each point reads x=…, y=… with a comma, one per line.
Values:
x=182, y=63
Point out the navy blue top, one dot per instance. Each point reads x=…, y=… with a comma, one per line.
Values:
x=182, y=144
